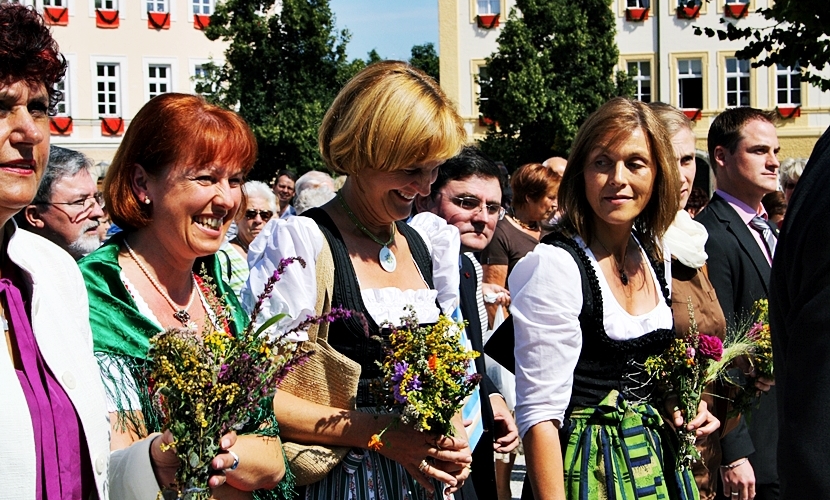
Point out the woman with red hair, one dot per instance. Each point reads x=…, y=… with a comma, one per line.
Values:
x=174, y=187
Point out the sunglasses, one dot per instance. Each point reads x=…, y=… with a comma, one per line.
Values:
x=264, y=214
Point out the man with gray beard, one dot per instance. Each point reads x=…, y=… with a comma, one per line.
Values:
x=67, y=206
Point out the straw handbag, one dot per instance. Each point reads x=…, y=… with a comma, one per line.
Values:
x=328, y=378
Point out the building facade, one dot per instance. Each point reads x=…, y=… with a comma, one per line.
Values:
x=666, y=60
x=120, y=54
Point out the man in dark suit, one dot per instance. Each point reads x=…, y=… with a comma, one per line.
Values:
x=467, y=194
x=800, y=322
x=743, y=145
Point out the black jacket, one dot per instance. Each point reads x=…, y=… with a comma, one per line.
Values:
x=740, y=272
x=800, y=322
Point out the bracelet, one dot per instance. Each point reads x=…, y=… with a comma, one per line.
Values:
x=732, y=466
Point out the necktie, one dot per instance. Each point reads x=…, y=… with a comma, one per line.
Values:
x=767, y=233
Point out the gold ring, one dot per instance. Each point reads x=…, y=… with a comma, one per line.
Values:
x=423, y=465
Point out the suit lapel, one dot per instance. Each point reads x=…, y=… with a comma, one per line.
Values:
x=735, y=225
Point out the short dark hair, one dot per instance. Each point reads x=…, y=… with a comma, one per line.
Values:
x=28, y=52
x=774, y=203
x=468, y=163
x=725, y=130
x=287, y=173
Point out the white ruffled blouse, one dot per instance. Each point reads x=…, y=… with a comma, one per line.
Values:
x=296, y=292
x=546, y=292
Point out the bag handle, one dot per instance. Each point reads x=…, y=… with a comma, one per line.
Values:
x=325, y=287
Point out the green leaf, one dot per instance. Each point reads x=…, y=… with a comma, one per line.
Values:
x=269, y=323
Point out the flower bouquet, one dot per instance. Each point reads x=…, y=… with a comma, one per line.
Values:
x=754, y=336
x=691, y=363
x=204, y=385
x=426, y=376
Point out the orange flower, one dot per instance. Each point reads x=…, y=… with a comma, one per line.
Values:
x=375, y=444
x=433, y=362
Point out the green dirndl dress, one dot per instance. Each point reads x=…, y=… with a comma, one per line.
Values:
x=615, y=443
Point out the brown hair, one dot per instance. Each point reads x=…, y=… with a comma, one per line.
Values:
x=389, y=116
x=28, y=52
x=726, y=129
x=614, y=121
x=531, y=182
x=173, y=129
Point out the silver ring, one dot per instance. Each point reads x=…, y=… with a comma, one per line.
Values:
x=235, y=461
x=734, y=493
x=423, y=465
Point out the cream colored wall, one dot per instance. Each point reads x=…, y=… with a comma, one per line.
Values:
x=461, y=44
x=134, y=45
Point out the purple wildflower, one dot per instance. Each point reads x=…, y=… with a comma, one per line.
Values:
x=690, y=352
x=755, y=331
x=414, y=384
x=400, y=371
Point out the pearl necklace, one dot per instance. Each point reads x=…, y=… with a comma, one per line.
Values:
x=181, y=315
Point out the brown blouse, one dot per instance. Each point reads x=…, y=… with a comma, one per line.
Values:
x=694, y=284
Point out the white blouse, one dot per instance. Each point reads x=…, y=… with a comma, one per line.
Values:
x=296, y=292
x=546, y=291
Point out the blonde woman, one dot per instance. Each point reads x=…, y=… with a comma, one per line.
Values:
x=389, y=130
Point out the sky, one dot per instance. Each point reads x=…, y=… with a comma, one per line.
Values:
x=391, y=27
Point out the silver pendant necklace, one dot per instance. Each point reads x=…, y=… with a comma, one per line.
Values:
x=387, y=258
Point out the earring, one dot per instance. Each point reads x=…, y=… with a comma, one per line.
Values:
x=146, y=200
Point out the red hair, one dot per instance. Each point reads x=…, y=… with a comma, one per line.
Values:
x=174, y=129
x=28, y=52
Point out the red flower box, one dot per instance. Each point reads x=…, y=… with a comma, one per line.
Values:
x=484, y=121
x=688, y=12
x=60, y=125
x=736, y=10
x=693, y=114
x=56, y=16
x=112, y=126
x=158, y=20
x=787, y=112
x=201, y=21
x=106, y=19
x=488, y=21
x=636, y=14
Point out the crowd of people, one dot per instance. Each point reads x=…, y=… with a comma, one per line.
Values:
x=594, y=259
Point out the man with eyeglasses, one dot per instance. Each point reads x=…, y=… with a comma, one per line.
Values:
x=467, y=194
x=68, y=205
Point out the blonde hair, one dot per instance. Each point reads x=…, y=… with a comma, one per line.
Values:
x=672, y=118
x=389, y=116
x=614, y=122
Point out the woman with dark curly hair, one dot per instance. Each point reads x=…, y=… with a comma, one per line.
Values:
x=51, y=397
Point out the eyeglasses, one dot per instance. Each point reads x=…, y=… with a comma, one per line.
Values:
x=470, y=203
x=265, y=214
x=86, y=205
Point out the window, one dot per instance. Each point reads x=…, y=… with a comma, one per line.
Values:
x=690, y=83
x=157, y=6
x=158, y=79
x=54, y=3
x=108, y=89
x=637, y=4
x=106, y=4
x=737, y=1
x=482, y=77
x=203, y=7
x=489, y=7
x=788, y=84
x=640, y=73
x=688, y=3
x=737, y=82
x=62, y=107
